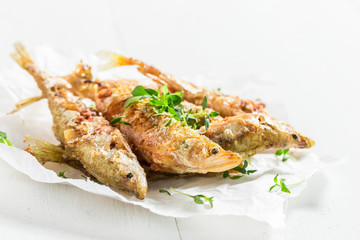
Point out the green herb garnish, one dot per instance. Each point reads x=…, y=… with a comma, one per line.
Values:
x=240, y=170
x=168, y=123
x=282, y=185
x=219, y=89
x=284, y=154
x=119, y=120
x=4, y=140
x=164, y=191
x=198, y=199
x=204, y=103
x=225, y=174
x=62, y=174
x=169, y=104
x=3, y=135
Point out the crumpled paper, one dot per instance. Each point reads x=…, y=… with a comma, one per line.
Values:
x=248, y=196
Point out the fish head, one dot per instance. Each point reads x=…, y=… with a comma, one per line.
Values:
x=131, y=177
x=286, y=134
x=205, y=156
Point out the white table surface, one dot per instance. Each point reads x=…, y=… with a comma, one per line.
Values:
x=310, y=49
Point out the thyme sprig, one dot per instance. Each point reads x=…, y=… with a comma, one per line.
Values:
x=281, y=183
x=119, y=120
x=240, y=170
x=62, y=174
x=198, y=199
x=169, y=104
x=284, y=154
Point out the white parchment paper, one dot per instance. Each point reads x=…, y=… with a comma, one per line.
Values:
x=248, y=196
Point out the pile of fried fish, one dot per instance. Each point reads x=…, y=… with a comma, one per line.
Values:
x=135, y=130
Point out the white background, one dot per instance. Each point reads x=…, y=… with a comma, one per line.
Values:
x=310, y=49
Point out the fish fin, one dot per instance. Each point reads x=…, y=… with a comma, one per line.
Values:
x=83, y=71
x=21, y=55
x=44, y=151
x=222, y=162
x=113, y=60
x=26, y=102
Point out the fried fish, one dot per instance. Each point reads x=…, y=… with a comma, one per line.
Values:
x=86, y=136
x=246, y=128
x=173, y=149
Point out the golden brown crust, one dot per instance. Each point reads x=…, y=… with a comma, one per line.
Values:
x=87, y=137
x=174, y=149
x=226, y=105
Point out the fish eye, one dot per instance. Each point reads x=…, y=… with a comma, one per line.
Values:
x=214, y=150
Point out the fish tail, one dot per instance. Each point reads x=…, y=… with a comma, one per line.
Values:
x=21, y=55
x=113, y=60
x=44, y=152
x=23, y=58
x=116, y=60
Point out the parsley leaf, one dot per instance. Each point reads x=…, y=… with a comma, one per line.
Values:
x=198, y=199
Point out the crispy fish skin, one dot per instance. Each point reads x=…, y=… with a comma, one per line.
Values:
x=89, y=138
x=249, y=134
x=172, y=149
x=246, y=134
x=226, y=105
x=252, y=133
x=234, y=109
